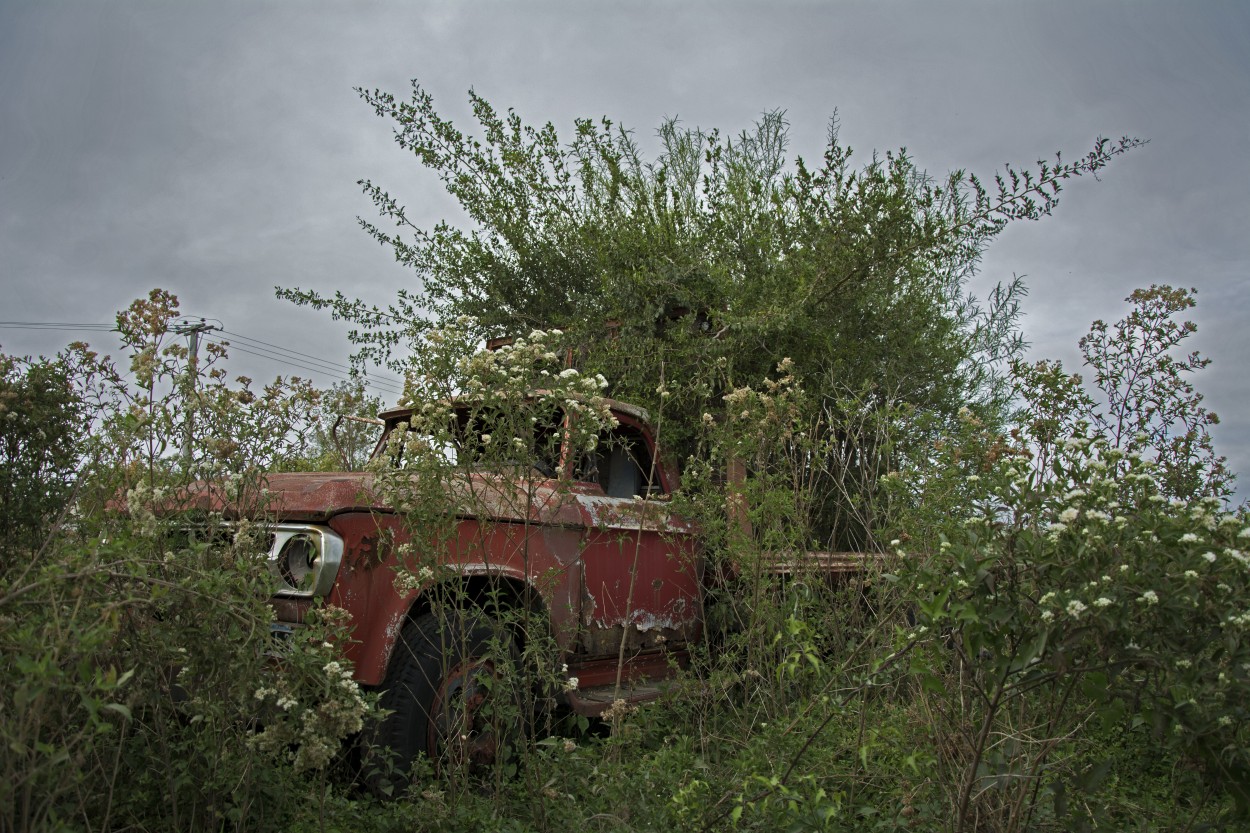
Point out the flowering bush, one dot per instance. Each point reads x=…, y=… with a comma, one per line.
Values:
x=486, y=426
x=41, y=415
x=1092, y=574
x=134, y=644
x=310, y=732
x=1137, y=605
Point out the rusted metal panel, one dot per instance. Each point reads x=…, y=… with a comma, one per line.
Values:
x=498, y=496
x=583, y=574
x=293, y=496
x=829, y=563
x=604, y=513
x=318, y=496
x=544, y=558
x=638, y=666
x=600, y=701
x=642, y=579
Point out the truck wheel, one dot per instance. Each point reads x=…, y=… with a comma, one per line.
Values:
x=445, y=690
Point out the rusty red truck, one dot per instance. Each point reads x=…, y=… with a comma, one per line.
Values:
x=582, y=542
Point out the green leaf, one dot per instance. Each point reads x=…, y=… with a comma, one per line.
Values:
x=1035, y=650
x=1060, y=796
x=120, y=708
x=1093, y=776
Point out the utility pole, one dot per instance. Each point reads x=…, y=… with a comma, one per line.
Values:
x=191, y=329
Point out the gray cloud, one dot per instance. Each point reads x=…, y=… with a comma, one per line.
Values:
x=213, y=149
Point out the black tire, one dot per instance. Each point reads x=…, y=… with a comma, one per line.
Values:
x=443, y=690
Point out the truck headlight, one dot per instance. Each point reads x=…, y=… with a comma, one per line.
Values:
x=304, y=559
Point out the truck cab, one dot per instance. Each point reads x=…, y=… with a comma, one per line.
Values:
x=580, y=542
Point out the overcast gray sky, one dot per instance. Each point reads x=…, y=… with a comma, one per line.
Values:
x=213, y=149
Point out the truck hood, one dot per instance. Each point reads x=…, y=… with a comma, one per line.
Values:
x=315, y=497
x=293, y=496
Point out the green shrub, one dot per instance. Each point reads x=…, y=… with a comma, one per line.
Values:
x=41, y=425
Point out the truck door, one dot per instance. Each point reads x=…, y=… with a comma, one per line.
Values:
x=641, y=572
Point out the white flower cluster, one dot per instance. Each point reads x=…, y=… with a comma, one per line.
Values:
x=310, y=737
x=141, y=502
x=342, y=677
x=407, y=581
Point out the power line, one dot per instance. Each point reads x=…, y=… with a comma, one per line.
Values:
x=334, y=365
x=286, y=360
x=289, y=362
x=56, y=325
x=278, y=353
x=385, y=379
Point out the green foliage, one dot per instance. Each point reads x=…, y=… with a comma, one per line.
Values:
x=1087, y=578
x=1062, y=647
x=710, y=264
x=1144, y=402
x=41, y=426
x=132, y=702
x=144, y=687
x=1151, y=407
x=344, y=432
